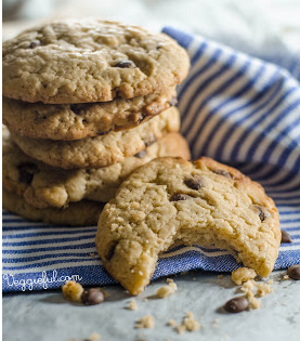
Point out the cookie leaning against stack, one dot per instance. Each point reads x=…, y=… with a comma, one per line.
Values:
x=86, y=102
x=170, y=199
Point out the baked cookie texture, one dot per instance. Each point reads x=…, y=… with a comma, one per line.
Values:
x=75, y=121
x=170, y=199
x=44, y=186
x=83, y=213
x=100, y=151
x=90, y=60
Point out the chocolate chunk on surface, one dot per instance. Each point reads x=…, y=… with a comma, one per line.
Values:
x=92, y=296
x=294, y=272
x=236, y=305
x=285, y=237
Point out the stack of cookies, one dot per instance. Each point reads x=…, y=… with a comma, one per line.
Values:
x=86, y=102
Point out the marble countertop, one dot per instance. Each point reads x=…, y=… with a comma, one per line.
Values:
x=47, y=316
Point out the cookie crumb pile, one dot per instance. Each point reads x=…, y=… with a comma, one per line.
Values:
x=85, y=103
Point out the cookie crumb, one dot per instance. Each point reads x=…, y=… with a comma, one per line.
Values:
x=242, y=275
x=147, y=321
x=93, y=337
x=105, y=292
x=215, y=323
x=189, y=324
x=132, y=305
x=72, y=291
x=171, y=323
x=252, y=289
x=145, y=300
x=220, y=276
x=285, y=277
x=167, y=290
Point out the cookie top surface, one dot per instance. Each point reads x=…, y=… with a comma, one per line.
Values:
x=76, y=121
x=204, y=202
x=44, y=186
x=100, y=151
x=89, y=60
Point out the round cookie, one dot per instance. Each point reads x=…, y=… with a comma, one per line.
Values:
x=83, y=213
x=204, y=203
x=42, y=186
x=100, y=151
x=76, y=121
x=90, y=60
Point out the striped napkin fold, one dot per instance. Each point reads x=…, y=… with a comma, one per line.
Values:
x=235, y=108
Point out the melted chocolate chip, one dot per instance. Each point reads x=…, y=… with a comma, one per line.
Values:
x=111, y=251
x=141, y=154
x=92, y=296
x=149, y=141
x=285, y=237
x=173, y=101
x=294, y=272
x=26, y=172
x=180, y=196
x=104, y=132
x=125, y=64
x=75, y=108
x=194, y=182
x=262, y=212
x=34, y=43
x=223, y=172
x=236, y=305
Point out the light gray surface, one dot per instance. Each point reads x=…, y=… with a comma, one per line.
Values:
x=46, y=316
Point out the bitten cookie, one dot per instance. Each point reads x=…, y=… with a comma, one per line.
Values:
x=82, y=213
x=170, y=199
x=89, y=60
x=100, y=151
x=76, y=121
x=42, y=186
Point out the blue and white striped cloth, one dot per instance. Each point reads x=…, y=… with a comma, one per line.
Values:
x=236, y=109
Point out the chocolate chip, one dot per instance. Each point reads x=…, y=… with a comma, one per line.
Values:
x=141, y=154
x=294, y=271
x=180, y=196
x=194, y=182
x=75, y=108
x=149, y=141
x=125, y=64
x=111, y=251
x=92, y=296
x=223, y=172
x=262, y=212
x=104, y=132
x=236, y=305
x=285, y=237
x=34, y=43
x=26, y=172
x=173, y=101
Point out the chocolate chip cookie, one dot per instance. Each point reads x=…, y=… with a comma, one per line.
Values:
x=100, y=151
x=42, y=186
x=76, y=121
x=82, y=213
x=204, y=203
x=90, y=60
